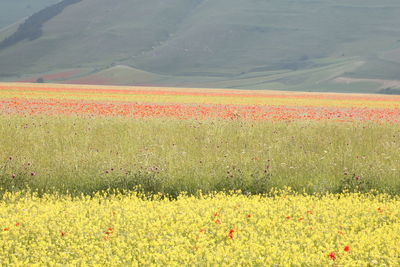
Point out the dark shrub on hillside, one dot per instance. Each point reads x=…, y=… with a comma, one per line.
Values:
x=390, y=91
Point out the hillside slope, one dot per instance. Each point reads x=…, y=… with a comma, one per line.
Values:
x=282, y=44
x=12, y=11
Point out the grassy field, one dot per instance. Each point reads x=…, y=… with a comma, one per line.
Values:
x=164, y=176
x=86, y=139
x=170, y=156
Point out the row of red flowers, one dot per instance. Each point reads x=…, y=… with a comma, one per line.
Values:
x=196, y=111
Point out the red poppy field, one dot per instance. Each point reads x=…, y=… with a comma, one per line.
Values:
x=198, y=104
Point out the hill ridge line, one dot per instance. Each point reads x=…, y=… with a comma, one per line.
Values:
x=31, y=28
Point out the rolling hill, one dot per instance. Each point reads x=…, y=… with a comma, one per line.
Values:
x=309, y=45
x=12, y=11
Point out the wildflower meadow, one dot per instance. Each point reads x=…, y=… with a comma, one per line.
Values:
x=129, y=176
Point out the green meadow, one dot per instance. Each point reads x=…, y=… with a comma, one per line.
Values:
x=89, y=154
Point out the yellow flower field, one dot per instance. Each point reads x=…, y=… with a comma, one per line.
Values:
x=125, y=230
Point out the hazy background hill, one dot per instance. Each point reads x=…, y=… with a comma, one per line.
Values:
x=11, y=11
x=312, y=45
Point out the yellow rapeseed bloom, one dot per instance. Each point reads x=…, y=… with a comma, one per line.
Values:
x=126, y=230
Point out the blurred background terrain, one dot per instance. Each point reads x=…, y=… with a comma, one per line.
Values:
x=304, y=45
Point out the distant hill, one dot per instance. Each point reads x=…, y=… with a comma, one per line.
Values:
x=309, y=45
x=12, y=11
x=31, y=28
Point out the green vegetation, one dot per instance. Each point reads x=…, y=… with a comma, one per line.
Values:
x=277, y=44
x=86, y=155
x=390, y=91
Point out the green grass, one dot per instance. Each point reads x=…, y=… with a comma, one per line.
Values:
x=85, y=155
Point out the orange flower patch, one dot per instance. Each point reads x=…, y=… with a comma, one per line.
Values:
x=195, y=111
x=140, y=102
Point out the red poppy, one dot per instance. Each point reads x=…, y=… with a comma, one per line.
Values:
x=309, y=212
x=62, y=233
x=249, y=215
x=217, y=221
x=347, y=248
x=287, y=217
x=216, y=214
x=230, y=235
x=17, y=224
x=332, y=255
x=6, y=229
